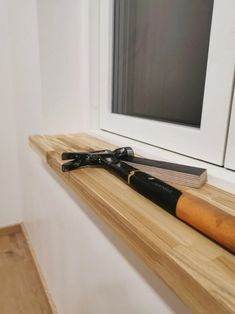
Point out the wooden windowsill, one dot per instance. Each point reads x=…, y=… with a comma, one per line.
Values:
x=198, y=270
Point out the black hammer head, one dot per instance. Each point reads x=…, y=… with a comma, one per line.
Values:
x=99, y=158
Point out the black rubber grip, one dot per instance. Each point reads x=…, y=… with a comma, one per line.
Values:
x=122, y=169
x=156, y=190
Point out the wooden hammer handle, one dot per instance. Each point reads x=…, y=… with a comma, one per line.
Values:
x=210, y=220
x=203, y=216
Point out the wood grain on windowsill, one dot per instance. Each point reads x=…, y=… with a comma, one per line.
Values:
x=198, y=270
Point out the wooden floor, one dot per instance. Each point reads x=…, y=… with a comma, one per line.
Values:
x=21, y=291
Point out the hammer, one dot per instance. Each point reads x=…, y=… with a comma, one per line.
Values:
x=203, y=216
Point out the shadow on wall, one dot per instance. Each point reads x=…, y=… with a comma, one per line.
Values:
x=162, y=291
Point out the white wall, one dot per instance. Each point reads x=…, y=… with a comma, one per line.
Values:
x=10, y=201
x=23, y=35
x=87, y=268
x=64, y=53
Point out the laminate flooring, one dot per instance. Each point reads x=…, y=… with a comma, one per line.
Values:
x=21, y=291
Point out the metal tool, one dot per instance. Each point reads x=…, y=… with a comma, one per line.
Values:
x=166, y=171
x=99, y=157
x=203, y=216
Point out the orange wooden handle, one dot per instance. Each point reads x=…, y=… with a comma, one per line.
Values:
x=210, y=220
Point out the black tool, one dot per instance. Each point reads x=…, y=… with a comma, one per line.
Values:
x=167, y=171
x=99, y=157
x=210, y=220
x=161, y=193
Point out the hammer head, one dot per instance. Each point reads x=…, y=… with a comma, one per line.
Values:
x=99, y=158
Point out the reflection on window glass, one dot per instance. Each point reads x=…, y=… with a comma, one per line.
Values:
x=160, y=58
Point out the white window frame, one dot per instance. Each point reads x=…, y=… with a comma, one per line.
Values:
x=206, y=143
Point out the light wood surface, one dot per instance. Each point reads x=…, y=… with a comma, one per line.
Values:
x=10, y=229
x=21, y=291
x=207, y=218
x=38, y=270
x=198, y=270
x=174, y=176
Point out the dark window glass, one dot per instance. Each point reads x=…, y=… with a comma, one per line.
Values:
x=160, y=58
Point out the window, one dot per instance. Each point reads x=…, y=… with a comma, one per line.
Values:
x=159, y=58
x=202, y=80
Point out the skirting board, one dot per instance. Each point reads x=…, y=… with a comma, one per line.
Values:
x=38, y=269
x=17, y=252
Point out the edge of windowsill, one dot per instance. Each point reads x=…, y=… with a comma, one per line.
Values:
x=195, y=268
